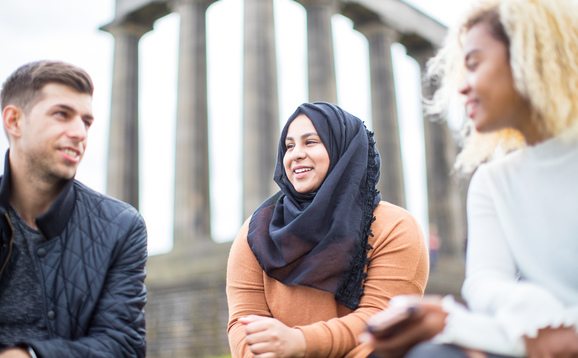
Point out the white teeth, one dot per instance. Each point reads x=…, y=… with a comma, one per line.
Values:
x=70, y=152
x=299, y=171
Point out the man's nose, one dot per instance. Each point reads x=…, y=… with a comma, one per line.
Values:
x=78, y=128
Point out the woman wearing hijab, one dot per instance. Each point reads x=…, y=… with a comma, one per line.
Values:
x=325, y=253
x=515, y=63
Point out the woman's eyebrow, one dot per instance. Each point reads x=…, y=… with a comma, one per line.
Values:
x=304, y=135
x=470, y=54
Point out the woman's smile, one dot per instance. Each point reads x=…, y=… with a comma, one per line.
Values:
x=301, y=171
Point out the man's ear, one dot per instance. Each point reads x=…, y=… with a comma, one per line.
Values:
x=12, y=118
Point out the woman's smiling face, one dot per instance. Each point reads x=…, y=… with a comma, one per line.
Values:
x=306, y=160
x=491, y=99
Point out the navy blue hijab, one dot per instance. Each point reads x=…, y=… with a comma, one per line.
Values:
x=319, y=239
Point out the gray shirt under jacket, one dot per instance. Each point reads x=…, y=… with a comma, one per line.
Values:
x=21, y=301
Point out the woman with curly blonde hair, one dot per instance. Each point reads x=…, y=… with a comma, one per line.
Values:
x=514, y=64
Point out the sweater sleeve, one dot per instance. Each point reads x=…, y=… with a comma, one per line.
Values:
x=245, y=291
x=399, y=264
x=492, y=289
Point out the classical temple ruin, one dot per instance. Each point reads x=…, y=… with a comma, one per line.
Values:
x=187, y=310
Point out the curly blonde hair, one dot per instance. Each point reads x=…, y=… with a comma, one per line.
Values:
x=542, y=41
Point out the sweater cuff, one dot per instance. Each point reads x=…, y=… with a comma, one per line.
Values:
x=315, y=345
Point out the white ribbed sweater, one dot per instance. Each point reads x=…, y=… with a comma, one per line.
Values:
x=522, y=222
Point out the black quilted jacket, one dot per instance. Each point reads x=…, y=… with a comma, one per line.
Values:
x=92, y=267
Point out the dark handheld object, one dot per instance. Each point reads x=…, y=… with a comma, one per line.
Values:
x=393, y=325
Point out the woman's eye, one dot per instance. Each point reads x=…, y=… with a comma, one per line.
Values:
x=471, y=65
x=289, y=146
x=311, y=142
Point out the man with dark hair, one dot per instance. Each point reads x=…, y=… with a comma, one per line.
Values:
x=72, y=261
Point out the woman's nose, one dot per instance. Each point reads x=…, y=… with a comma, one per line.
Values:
x=464, y=86
x=298, y=153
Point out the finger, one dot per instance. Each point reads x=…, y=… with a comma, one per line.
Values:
x=261, y=348
x=387, y=315
x=405, y=300
x=260, y=325
x=251, y=318
x=266, y=355
x=365, y=337
x=258, y=337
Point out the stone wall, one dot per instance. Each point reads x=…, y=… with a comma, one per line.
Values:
x=187, y=310
x=188, y=320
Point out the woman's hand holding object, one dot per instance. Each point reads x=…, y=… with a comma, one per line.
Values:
x=422, y=319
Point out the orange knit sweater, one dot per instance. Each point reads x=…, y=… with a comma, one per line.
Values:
x=399, y=265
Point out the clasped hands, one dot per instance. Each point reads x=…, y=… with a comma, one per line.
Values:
x=269, y=338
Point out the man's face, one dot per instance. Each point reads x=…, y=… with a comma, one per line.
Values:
x=53, y=133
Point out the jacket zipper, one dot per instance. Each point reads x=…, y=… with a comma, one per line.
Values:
x=10, y=245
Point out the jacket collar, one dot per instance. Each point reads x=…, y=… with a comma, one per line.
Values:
x=52, y=222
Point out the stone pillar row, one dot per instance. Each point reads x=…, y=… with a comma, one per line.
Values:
x=192, y=204
x=192, y=220
x=123, y=168
x=384, y=108
x=320, y=54
x=260, y=105
x=260, y=113
x=445, y=202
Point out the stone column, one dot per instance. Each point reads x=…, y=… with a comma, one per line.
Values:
x=384, y=108
x=445, y=203
x=320, y=54
x=192, y=222
x=260, y=105
x=123, y=168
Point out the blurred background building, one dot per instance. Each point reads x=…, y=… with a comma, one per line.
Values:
x=187, y=311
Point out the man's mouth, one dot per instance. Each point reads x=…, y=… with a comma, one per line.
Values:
x=71, y=152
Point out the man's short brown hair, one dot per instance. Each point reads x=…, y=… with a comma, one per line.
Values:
x=23, y=87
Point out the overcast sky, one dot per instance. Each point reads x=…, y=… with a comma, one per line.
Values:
x=67, y=30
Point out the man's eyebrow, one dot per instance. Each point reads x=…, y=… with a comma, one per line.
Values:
x=65, y=107
x=70, y=109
